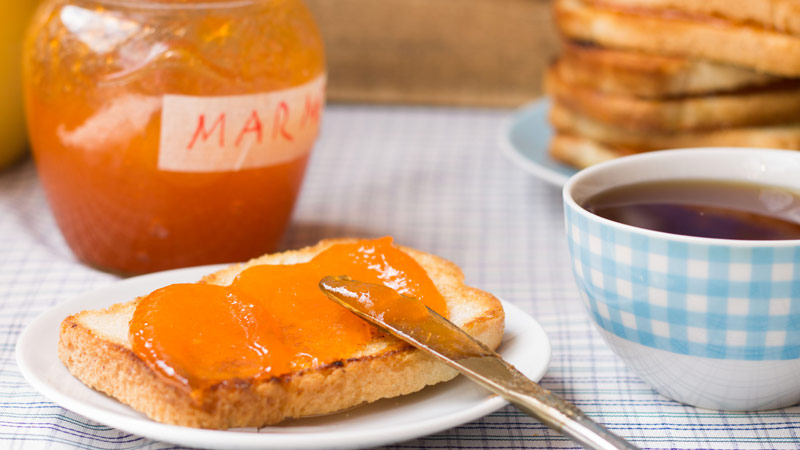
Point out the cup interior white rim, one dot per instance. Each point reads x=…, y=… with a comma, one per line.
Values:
x=660, y=156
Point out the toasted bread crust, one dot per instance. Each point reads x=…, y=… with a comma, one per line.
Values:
x=380, y=371
x=581, y=152
x=569, y=122
x=645, y=75
x=778, y=104
x=780, y=15
x=653, y=31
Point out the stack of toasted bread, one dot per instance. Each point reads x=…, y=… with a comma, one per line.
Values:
x=640, y=75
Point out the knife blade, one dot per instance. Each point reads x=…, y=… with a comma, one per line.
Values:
x=408, y=319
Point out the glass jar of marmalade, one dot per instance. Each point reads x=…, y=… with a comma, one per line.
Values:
x=169, y=133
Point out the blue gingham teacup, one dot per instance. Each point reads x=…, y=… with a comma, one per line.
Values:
x=709, y=322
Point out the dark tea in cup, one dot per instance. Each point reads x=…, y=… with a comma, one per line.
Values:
x=703, y=208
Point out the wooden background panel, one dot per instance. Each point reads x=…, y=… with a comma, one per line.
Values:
x=450, y=52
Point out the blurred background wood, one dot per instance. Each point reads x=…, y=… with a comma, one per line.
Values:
x=448, y=52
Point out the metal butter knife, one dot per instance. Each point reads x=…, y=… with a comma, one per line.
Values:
x=439, y=337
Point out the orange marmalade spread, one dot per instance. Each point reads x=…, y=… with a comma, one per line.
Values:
x=402, y=313
x=374, y=300
x=272, y=319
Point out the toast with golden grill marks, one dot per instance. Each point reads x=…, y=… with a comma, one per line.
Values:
x=580, y=152
x=94, y=347
x=646, y=75
x=774, y=136
x=658, y=31
x=764, y=106
x=782, y=16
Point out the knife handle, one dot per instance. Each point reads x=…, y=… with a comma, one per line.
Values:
x=442, y=339
x=563, y=417
x=506, y=381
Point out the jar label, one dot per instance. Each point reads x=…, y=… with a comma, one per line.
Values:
x=228, y=133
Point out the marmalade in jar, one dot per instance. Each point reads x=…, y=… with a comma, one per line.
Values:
x=170, y=133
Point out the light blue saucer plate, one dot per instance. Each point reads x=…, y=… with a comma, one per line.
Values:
x=525, y=140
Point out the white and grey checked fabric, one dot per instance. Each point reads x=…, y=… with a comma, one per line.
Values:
x=433, y=178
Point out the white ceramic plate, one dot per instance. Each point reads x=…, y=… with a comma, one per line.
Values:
x=431, y=410
x=525, y=140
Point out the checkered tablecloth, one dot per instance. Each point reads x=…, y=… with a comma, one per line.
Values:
x=434, y=179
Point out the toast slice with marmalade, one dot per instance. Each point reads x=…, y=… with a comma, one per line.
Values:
x=96, y=347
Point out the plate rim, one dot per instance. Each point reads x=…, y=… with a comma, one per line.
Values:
x=511, y=152
x=339, y=438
